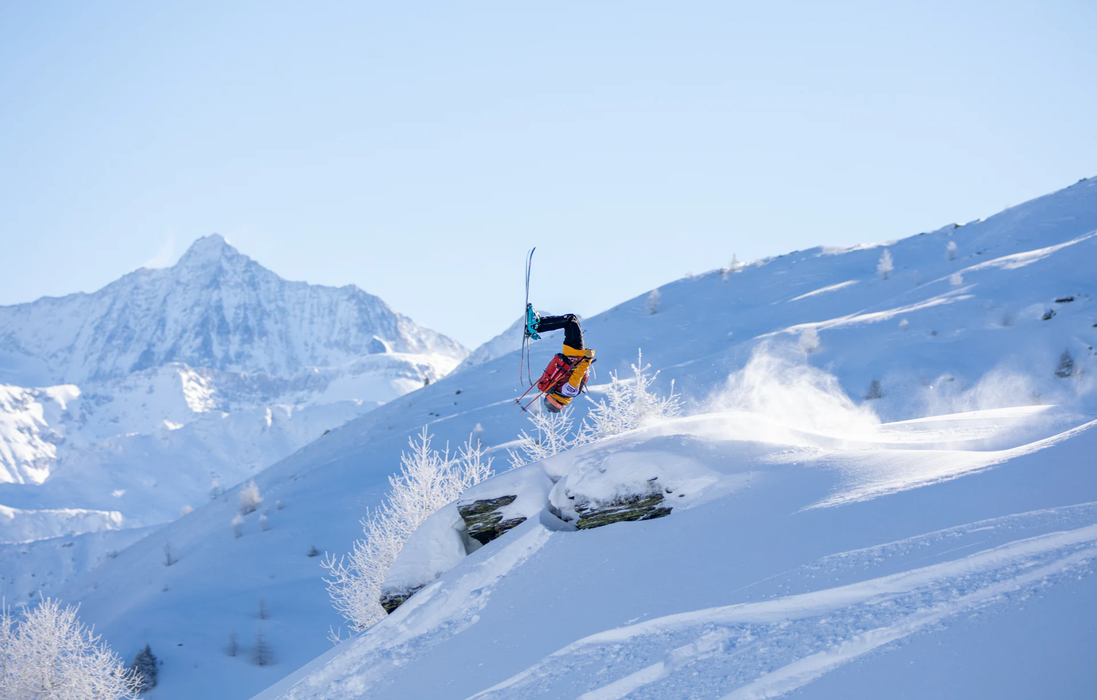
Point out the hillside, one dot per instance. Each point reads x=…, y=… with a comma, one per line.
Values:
x=775, y=358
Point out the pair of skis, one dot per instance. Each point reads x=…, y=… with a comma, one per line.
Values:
x=523, y=358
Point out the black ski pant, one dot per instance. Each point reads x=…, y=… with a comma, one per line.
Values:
x=573, y=332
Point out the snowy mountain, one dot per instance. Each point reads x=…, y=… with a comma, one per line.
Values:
x=932, y=540
x=215, y=309
x=178, y=384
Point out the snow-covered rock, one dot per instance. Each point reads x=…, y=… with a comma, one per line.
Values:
x=435, y=547
x=505, y=501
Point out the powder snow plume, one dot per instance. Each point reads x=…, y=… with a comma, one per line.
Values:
x=779, y=385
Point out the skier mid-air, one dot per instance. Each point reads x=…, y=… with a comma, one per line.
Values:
x=566, y=374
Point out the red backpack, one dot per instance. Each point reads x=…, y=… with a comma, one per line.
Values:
x=557, y=372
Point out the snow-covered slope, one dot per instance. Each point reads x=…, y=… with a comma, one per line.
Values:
x=775, y=358
x=763, y=581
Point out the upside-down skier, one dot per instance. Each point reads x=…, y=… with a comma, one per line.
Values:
x=566, y=374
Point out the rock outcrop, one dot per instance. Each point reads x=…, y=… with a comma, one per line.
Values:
x=390, y=600
x=484, y=518
x=640, y=506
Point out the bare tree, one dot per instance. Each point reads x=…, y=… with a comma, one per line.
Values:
x=169, y=558
x=264, y=611
x=261, y=654
x=232, y=648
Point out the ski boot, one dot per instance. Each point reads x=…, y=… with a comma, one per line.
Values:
x=532, y=319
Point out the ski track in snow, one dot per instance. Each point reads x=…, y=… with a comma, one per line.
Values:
x=770, y=648
x=824, y=290
x=866, y=476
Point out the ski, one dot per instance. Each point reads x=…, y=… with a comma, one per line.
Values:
x=523, y=357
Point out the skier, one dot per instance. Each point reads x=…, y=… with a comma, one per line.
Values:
x=566, y=374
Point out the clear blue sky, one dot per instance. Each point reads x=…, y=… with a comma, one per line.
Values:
x=418, y=149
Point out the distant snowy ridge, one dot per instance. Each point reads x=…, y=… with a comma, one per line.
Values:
x=25, y=527
x=144, y=397
x=217, y=309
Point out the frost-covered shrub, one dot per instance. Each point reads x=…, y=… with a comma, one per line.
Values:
x=428, y=480
x=875, y=391
x=735, y=266
x=956, y=279
x=653, y=302
x=50, y=655
x=249, y=498
x=809, y=340
x=261, y=654
x=950, y=251
x=238, y=526
x=884, y=266
x=629, y=403
x=552, y=435
x=144, y=669
x=1066, y=365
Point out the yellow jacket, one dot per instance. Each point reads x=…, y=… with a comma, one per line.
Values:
x=571, y=388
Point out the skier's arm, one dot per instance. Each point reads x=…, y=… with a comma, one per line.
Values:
x=572, y=386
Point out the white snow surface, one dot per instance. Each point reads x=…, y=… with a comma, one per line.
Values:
x=937, y=541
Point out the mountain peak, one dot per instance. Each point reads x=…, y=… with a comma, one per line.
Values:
x=206, y=250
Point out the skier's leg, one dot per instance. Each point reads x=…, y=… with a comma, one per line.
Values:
x=573, y=332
